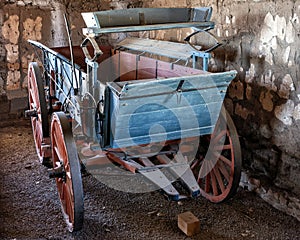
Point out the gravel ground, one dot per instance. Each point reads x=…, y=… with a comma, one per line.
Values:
x=29, y=206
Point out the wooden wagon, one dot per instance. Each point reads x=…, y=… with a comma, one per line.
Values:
x=135, y=106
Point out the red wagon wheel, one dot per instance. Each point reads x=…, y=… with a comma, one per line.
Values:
x=38, y=108
x=217, y=166
x=66, y=169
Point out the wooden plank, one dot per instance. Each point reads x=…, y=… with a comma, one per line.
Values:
x=142, y=16
x=98, y=31
x=129, y=166
x=172, y=100
x=162, y=48
x=134, y=141
x=146, y=162
x=123, y=63
x=188, y=223
x=171, y=118
x=170, y=85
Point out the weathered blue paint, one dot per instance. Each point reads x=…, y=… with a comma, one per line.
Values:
x=158, y=110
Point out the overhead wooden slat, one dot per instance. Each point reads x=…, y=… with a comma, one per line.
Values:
x=174, y=50
x=146, y=19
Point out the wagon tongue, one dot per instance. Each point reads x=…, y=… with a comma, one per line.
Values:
x=158, y=178
x=179, y=168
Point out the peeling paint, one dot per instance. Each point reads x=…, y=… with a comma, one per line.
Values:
x=296, y=113
x=250, y=74
x=268, y=81
x=285, y=112
x=267, y=32
x=286, y=86
x=280, y=27
x=290, y=33
x=286, y=55
x=272, y=29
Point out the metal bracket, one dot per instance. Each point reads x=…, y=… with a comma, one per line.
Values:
x=205, y=56
x=97, y=51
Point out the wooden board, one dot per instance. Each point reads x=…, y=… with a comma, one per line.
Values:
x=124, y=66
x=98, y=31
x=162, y=48
x=146, y=19
x=188, y=223
x=153, y=111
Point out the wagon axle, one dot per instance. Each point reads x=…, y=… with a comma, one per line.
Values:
x=57, y=172
x=31, y=113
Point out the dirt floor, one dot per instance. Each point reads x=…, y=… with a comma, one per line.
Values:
x=29, y=206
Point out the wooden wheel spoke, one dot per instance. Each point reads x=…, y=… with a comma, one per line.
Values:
x=69, y=205
x=207, y=183
x=225, y=160
x=217, y=126
x=219, y=136
x=219, y=179
x=199, y=177
x=223, y=170
x=58, y=154
x=195, y=164
x=222, y=147
x=214, y=184
x=204, y=170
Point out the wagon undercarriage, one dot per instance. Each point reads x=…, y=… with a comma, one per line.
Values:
x=132, y=114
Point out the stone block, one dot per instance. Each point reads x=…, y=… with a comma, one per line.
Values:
x=18, y=104
x=10, y=29
x=236, y=90
x=285, y=112
x=12, y=53
x=13, y=80
x=4, y=107
x=18, y=101
x=3, y=116
x=32, y=29
x=266, y=100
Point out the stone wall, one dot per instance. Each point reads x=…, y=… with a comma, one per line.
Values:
x=19, y=21
x=261, y=39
